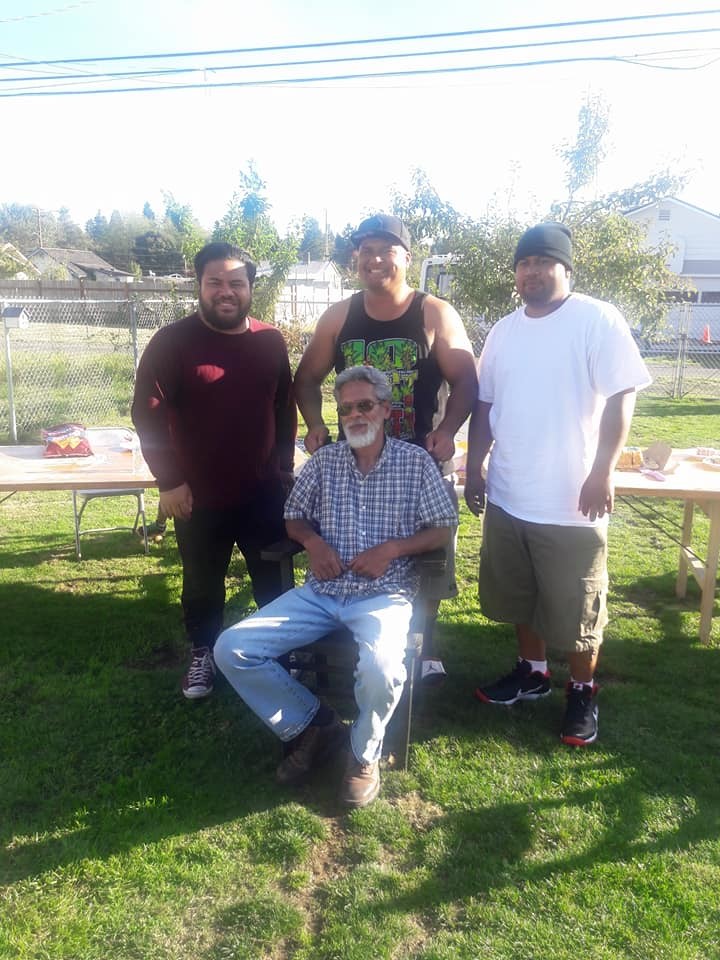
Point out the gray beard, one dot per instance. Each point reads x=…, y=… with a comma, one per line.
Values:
x=357, y=442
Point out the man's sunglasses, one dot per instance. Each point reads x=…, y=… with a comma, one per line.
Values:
x=363, y=406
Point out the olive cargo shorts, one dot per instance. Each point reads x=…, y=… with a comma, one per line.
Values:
x=551, y=577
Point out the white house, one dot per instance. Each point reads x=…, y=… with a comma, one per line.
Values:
x=309, y=290
x=695, y=234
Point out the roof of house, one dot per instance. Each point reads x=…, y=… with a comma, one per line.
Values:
x=680, y=203
x=311, y=270
x=11, y=252
x=80, y=262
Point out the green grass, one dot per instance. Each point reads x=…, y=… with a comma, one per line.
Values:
x=136, y=825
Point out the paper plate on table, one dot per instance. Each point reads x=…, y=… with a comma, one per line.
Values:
x=713, y=463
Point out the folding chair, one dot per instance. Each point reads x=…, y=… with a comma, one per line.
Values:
x=327, y=665
x=81, y=498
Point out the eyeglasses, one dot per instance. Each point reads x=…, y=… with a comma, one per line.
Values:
x=362, y=406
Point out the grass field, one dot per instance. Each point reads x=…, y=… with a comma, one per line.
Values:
x=135, y=825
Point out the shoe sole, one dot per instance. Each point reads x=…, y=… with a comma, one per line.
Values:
x=484, y=698
x=578, y=741
x=357, y=804
x=572, y=741
x=196, y=694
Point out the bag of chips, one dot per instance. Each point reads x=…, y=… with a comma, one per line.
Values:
x=66, y=440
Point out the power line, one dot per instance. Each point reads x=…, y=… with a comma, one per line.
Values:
x=48, y=13
x=174, y=71
x=372, y=40
x=294, y=81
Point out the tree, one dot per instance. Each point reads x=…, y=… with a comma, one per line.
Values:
x=313, y=242
x=483, y=287
x=612, y=260
x=69, y=235
x=343, y=250
x=191, y=235
x=97, y=228
x=157, y=252
x=431, y=221
x=583, y=158
x=247, y=224
x=27, y=226
x=148, y=212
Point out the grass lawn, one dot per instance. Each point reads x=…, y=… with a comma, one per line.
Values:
x=136, y=825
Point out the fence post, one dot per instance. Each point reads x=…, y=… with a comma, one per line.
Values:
x=8, y=363
x=682, y=352
x=132, y=312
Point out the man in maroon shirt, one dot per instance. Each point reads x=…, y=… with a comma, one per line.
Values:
x=214, y=410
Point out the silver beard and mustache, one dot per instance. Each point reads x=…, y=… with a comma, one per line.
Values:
x=359, y=440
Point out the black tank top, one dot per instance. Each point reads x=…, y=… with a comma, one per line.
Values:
x=400, y=349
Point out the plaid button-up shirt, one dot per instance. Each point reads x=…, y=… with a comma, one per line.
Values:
x=401, y=495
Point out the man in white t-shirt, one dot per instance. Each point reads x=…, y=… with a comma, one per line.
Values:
x=558, y=379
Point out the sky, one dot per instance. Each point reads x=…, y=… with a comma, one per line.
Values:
x=335, y=149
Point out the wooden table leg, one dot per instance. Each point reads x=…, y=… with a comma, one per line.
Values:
x=686, y=541
x=707, y=602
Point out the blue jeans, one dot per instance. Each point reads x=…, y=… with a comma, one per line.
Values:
x=247, y=654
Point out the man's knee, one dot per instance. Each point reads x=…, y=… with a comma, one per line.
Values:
x=235, y=650
x=382, y=668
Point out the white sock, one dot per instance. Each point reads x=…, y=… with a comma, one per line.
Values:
x=578, y=684
x=537, y=666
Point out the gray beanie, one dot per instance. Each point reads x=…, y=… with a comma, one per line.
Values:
x=546, y=240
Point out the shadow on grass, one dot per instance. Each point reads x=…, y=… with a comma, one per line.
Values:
x=659, y=738
x=496, y=847
x=100, y=752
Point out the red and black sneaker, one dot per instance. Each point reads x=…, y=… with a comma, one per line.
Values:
x=522, y=683
x=580, y=726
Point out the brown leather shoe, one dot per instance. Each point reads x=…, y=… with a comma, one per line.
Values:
x=310, y=750
x=361, y=783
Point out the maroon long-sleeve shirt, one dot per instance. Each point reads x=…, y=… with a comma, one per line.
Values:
x=215, y=410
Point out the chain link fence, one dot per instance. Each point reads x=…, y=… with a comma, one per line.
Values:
x=73, y=360
x=686, y=362
x=70, y=359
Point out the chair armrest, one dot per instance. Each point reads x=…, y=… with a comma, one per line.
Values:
x=281, y=550
x=431, y=563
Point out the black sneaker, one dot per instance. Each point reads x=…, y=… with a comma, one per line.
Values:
x=523, y=683
x=580, y=726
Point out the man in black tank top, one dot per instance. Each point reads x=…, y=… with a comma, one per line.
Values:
x=416, y=339
x=401, y=349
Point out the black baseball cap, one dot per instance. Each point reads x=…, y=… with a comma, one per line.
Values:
x=382, y=225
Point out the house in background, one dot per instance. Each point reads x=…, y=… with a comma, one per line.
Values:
x=695, y=235
x=15, y=264
x=309, y=289
x=75, y=265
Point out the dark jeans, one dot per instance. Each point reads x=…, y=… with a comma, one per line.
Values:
x=206, y=542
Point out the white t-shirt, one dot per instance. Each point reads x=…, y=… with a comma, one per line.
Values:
x=547, y=379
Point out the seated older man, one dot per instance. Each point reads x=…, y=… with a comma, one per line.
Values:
x=362, y=508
